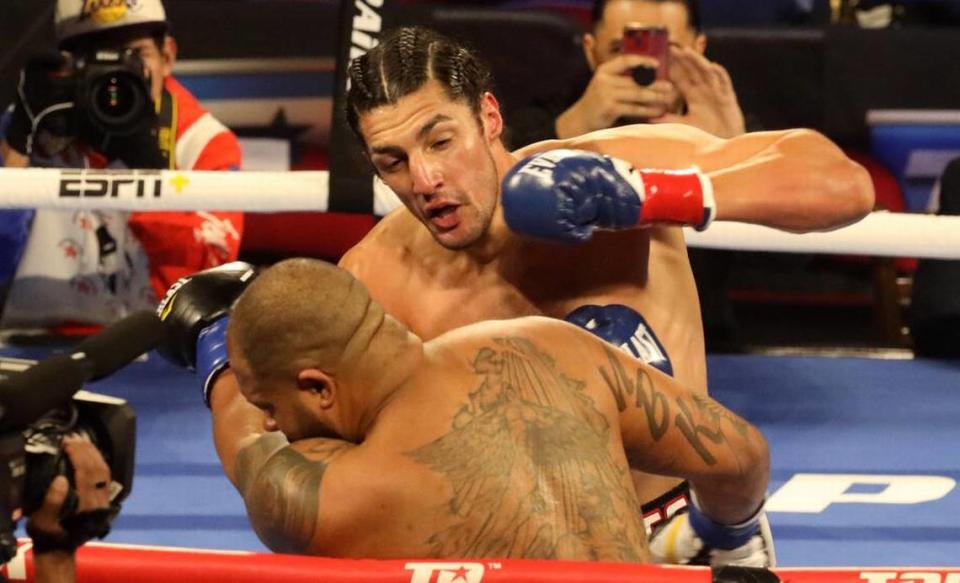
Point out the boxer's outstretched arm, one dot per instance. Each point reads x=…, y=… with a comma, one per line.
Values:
x=795, y=180
x=669, y=430
x=280, y=482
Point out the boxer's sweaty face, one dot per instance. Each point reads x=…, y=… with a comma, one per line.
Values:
x=435, y=154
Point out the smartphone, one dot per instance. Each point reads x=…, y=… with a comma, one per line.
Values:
x=650, y=41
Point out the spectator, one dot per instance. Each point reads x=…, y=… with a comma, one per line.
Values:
x=699, y=92
x=92, y=267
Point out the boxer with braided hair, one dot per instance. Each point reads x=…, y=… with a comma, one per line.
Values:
x=417, y=56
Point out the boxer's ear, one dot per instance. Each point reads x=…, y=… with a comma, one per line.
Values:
x=318, y=383
x=490, y=117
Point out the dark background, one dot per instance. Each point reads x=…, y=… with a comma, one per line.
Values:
x=824, y=77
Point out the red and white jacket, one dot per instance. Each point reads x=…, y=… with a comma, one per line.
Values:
x=93, y=267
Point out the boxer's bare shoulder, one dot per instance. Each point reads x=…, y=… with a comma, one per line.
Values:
x=383, y=260
x=391, y=238
x=528, y=326
x=644, y=145
x=399, y=238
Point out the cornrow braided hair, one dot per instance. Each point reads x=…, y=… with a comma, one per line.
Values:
x=404, y=61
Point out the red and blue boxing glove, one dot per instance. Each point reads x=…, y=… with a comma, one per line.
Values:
x=564, y=195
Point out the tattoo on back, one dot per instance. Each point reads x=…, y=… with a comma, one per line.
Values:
x=281, y=489
x=529, y=461
x=698, y=418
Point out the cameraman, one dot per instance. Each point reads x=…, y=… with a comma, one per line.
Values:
x=93, y=267
x=53, y=543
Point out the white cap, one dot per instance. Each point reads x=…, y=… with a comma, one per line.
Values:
x=75, y=18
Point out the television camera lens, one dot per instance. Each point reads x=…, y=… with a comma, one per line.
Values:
x=117, y=100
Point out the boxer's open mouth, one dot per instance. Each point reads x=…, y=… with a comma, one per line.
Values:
x=443, y=216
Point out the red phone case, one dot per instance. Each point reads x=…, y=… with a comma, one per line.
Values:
x=649, y=41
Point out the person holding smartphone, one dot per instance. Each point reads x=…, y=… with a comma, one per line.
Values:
x=634, y=78
x=686, y=87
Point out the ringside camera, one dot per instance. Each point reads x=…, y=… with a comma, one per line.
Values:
x=95, y=97
x=112, y=93
x=41, y=402
x=32, y=457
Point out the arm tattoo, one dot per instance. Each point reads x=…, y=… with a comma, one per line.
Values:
x=529, y=462
x=694, y=431
x=281, y=489
x=251, y=459
x=642, y=393
x=698, y=418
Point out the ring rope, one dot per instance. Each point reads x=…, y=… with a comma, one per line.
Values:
x=880, y=233
x=119, y=563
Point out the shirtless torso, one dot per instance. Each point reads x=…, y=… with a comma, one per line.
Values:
x=433, y=289
x=511, y=439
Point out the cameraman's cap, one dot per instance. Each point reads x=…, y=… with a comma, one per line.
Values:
x=75, y=18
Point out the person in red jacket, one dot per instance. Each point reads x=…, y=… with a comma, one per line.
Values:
x=92, y=267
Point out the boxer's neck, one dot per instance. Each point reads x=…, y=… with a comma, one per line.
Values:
x=393, y=357
x=498, y=235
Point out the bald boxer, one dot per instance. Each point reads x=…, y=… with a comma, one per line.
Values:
x=349, y=436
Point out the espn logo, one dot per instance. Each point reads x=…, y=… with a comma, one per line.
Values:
x=112, y=184
x=445, y=572
x=911, y=577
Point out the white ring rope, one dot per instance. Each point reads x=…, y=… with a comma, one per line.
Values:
x=166, y=190
x=881, y=234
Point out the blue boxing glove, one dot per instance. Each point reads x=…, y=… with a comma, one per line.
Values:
x=626, y=329
x=564, y=195
x=692, y=538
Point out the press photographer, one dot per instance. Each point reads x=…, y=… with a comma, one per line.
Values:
x=106, y=98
